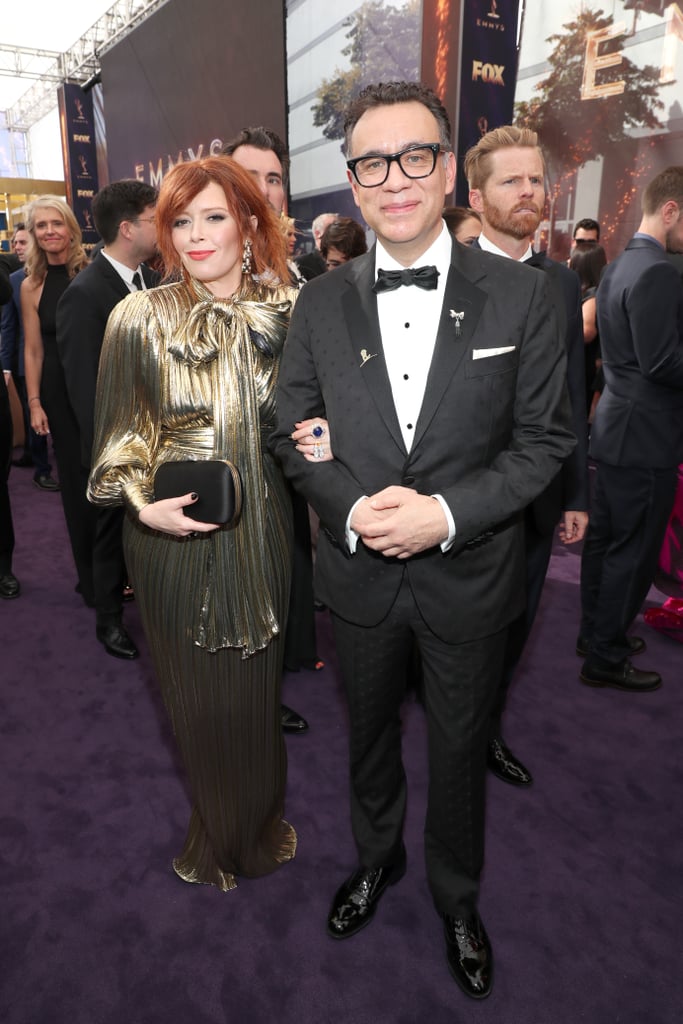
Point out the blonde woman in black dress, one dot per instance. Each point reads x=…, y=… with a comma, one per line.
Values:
x=55, y=255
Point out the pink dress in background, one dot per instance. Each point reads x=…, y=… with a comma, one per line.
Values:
x=669, y=617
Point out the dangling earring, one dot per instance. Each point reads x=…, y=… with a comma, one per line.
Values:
x=246, y=256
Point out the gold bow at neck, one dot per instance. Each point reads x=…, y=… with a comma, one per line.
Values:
x=199, y=337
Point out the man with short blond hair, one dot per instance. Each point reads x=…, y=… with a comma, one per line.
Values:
x=506, y=173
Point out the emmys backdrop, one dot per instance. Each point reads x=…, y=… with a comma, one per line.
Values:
x=187, y=79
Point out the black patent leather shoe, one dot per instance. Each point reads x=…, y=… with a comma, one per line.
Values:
x=292, y=721
x=9, y=586
x=636, y=644
x=503, y=763
x=469, y=954
x=622, y=677
x=116, y=641
x=356, y=901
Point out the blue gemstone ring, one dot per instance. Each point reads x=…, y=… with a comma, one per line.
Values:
x=318, y=431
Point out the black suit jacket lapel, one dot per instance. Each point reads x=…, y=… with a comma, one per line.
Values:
x=359, y=304
x=463, y=304
x=111, y=276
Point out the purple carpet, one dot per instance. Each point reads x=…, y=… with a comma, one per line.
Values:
x=581, y=894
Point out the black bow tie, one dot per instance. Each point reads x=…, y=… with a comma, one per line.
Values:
x=423, y=277
x=537, y=259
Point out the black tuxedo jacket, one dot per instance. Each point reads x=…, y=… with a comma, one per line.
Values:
x=311, y=264
x=82, y=316
x=639, y=419
x=569, y=489
x=493, y=428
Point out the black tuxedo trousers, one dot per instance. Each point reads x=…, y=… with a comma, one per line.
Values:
x=458, y=685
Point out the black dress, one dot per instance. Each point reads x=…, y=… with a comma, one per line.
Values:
x=79, y=514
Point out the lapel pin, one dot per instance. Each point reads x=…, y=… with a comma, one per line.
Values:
x=365, y=356
x=458, y=317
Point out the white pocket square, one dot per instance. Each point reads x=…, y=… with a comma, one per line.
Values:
x=484, y=353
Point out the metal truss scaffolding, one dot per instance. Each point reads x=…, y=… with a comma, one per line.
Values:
x=78, y=64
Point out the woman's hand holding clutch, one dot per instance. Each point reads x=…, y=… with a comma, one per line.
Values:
x=167, y=515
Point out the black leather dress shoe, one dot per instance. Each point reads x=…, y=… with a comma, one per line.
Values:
x=621, y=677
x=23, y=461
x=9, y=586
x=503, y=763
x=292, y=721
x=469, y=954
x=45, y=482
x=116, y=641
x=636, y=644
x=356, y=901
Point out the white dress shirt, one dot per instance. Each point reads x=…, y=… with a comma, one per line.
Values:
x=409, y=321
x=488, y=246
x=125, y=272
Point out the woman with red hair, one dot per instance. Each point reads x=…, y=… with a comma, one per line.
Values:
x=188, y=372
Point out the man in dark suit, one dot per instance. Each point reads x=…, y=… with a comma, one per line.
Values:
x=637, y=436
x=448, y=414
x=506, y=175
x=124, y=216
x=262, y=152
x=312, y=264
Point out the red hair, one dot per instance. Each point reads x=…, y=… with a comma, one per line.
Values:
x=243, y=199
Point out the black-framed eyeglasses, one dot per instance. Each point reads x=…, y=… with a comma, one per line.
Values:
x=416, y=161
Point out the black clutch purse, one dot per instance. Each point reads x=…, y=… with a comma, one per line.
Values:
x=216, y=481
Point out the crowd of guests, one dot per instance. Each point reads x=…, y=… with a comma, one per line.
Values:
x=428, y=398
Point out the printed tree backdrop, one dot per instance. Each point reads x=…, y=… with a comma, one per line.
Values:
x=573, y=131
x=384, y=45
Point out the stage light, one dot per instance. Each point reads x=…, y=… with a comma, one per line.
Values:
x=92, y=82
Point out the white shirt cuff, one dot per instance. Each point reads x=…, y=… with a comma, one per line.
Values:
x=447, y=543
x=351, y=535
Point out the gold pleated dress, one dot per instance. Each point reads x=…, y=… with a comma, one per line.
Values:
x=186, y=376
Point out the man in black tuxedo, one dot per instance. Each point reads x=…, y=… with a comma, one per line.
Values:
x=448, y=414
x=124, y=217
x=637, y=436
x=506, y=175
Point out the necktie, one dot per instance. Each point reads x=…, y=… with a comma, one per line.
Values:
x=137, y=281
x=423, y=277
